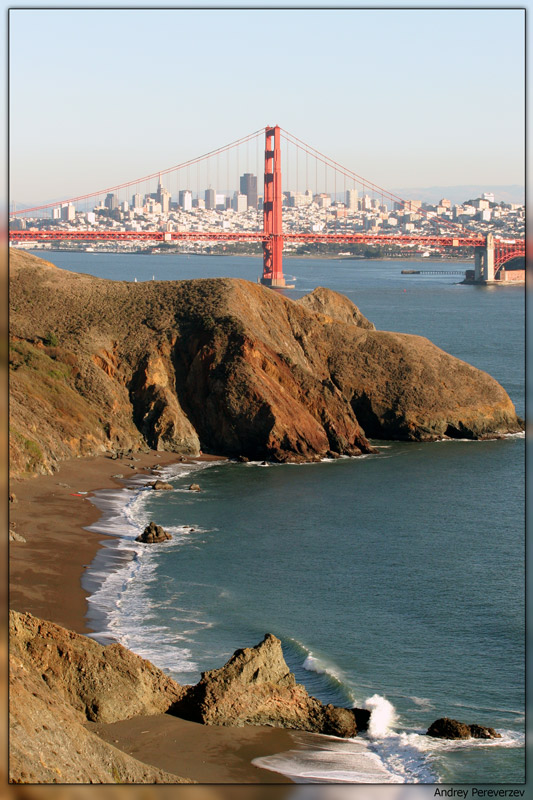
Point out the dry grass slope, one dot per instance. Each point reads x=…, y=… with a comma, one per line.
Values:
x=223, y=365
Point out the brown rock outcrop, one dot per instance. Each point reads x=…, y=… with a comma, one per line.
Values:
x=104, y=684
x=153, y=534
x=162, y=486
x=446, y=728
x=256, y=687
x=224, y=366
x=335, y=306
x=59, y=680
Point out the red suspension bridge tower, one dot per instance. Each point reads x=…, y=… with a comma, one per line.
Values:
x=272, y=199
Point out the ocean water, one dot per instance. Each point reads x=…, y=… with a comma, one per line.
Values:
x=394, y=581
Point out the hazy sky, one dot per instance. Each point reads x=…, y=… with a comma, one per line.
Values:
x=403, y=97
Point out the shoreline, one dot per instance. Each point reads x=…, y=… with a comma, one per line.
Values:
x=311, y=256
x=45, y=579
x=47, y=568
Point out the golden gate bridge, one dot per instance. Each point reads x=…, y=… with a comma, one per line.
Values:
x=491, y=252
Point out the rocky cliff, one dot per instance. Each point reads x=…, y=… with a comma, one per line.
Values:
x=57, y=681
x=225, y=366
x=60, y=680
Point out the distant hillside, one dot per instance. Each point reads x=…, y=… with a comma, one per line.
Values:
x=222, y=365
x=513, y=193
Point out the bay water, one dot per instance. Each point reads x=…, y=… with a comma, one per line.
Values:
x=393, y=580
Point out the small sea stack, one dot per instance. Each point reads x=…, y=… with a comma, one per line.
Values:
x=153, y=534
x=159, y=486
x=446, y=728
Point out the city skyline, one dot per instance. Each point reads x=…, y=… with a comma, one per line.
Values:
x=377, y=90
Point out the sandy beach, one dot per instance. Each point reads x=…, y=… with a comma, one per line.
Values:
x=51, y=512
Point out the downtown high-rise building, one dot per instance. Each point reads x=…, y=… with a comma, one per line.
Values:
x=210, y=199
x=185, y=199
x=239, y=202
x=163, y=197
x=137, y=200
x=352, y=199
x=248, y=186
x=111, y=202
x=68, y=212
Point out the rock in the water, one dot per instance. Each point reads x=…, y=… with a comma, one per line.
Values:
x=256, y=687
x=242, y=459
x=194, y=487
x=153, y=534
x=446, y=728
x=482, y=732
x=161, y=485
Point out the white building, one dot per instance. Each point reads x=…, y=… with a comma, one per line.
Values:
x=185, y=199
x=240, y=202
x=68, y=212
x=152, y=206
x=322, y=200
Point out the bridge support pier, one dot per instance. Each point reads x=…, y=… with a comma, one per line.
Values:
x=484, y=261
x=272, y=199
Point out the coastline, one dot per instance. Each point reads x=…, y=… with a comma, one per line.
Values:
x=45, y=571
x=45, y=580
x=411, y=257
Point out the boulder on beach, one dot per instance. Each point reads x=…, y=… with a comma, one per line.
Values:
x=256, y=687
x=153, y=534
x=446, y=728
x=161, y=485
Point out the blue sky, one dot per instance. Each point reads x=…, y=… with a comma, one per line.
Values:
x=403, y=97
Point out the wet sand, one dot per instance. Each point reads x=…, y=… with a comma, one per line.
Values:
x=45, y=579
x=45, y=571
x=204, y=753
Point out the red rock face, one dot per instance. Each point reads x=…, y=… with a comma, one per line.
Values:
x=225, y=366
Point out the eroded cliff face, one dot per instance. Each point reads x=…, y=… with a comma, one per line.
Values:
x=60, y=680
x=225, y=366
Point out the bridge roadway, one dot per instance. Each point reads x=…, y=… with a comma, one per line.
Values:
x=473, y=240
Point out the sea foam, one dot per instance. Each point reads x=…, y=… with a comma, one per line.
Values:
x=382, y=716
x=123, y=570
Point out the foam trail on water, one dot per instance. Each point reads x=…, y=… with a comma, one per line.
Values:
x=121, y=606
x=382, y=716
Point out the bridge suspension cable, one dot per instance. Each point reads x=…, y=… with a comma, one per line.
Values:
x=117, y=187
x=364, y=182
